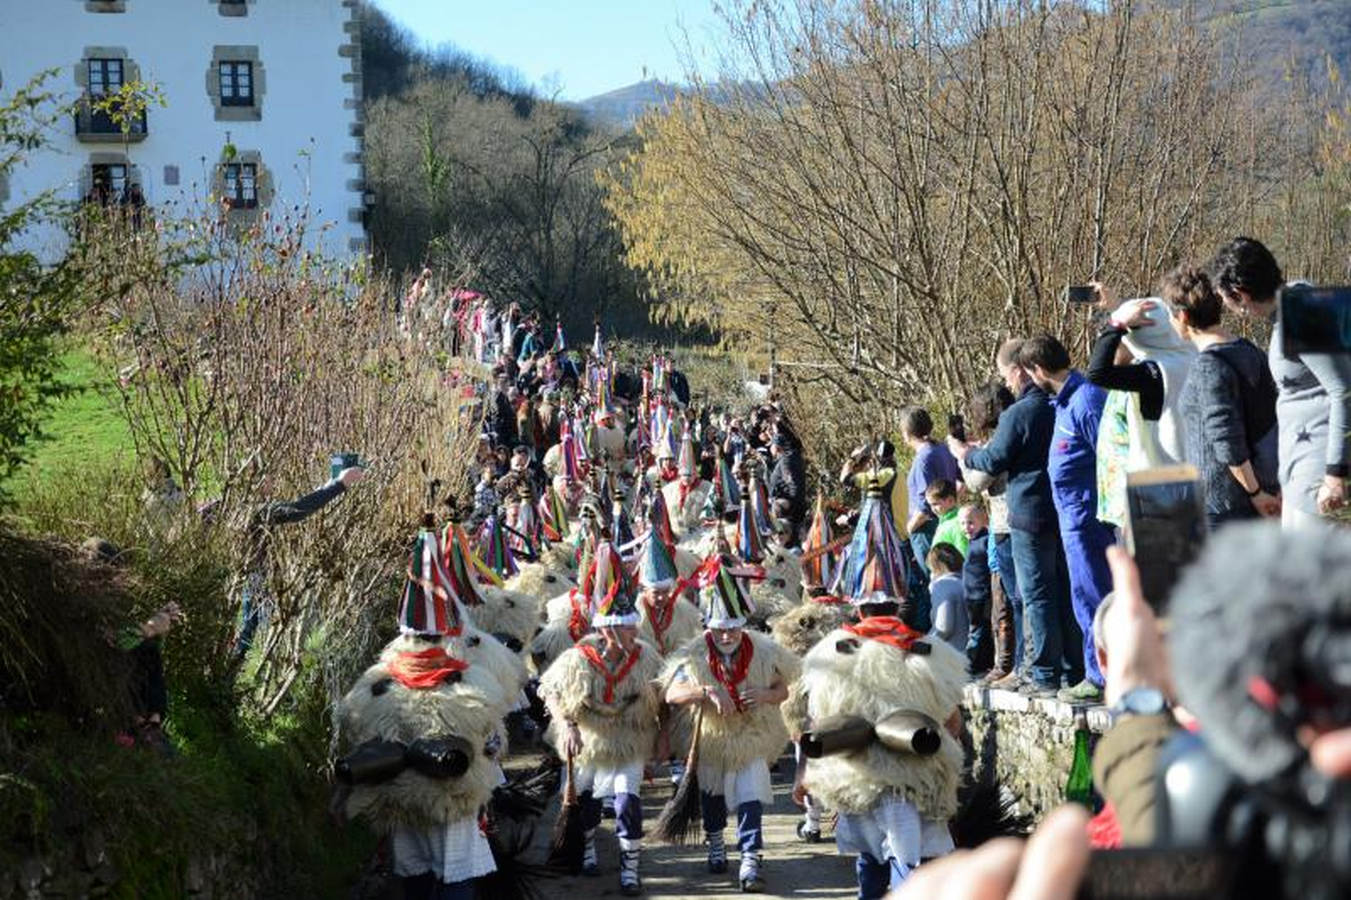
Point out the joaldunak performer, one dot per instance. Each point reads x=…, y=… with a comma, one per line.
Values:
x=741, y=677
x=664, y=620
x=603, y=698
x=425, y=723
x=686, y=495
x=893, y=804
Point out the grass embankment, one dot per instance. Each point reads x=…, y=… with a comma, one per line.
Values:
x=82, y=432
x=236, y=798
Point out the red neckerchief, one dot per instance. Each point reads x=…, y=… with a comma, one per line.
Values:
x=887, y=629
x=661, y=622
x=740, y=666
x=685, y=488
x=828, y=600
x=578, y=623
x=593, y=656
x=425, y=668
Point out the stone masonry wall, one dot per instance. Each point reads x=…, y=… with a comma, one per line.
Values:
x=1025, y=745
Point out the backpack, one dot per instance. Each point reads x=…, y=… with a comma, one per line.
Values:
x=1257, y=398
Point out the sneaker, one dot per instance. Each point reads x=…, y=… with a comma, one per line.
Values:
x=677, y=771
x=590, y=864
x=1083, y=692
x=995, y=675
x=1037, y=691
x=749, y=874
x=717, y=852
x=630, y=885
x=808, y=835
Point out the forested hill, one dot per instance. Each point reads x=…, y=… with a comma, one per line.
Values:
x=1279, y=37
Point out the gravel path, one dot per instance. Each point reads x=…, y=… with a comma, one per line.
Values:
x=792, y=868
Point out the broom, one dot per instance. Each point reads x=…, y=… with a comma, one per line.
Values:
x=569, y=838
x=681, y=814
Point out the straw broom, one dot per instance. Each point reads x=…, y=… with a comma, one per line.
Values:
x=681, y=815
x=569, y=838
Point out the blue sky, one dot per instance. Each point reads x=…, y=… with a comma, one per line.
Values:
x=580, y=47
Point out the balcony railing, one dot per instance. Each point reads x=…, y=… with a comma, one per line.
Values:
x=98, y=126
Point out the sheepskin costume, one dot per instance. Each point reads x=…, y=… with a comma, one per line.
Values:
x=780, y=590
x=492, y=609
x=664, y=620
x=850, y=674
x=540, y=581
x=685, y=503
x=381, y=707
x=729, y=743
x=435, y=681
x=803, y=626
x=616, y=711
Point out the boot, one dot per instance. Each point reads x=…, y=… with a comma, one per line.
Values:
x=717, y=852
x=751, y=882
x=630, y=885
x=590, y=864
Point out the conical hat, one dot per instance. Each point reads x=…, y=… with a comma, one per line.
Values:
x=760, y=505
x=621, y=529
x=656, y=569
x=607, y=584
x=427, y=605
x=598, y=345
x=553, y=515
x=659, y=521
x=461, y=565
x=723, y=597
x=818, y=561
x=560, y=344
x=749, y=545
x=687, y=465
x=874, y=568
x=495, y=547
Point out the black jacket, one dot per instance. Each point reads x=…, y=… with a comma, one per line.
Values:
x=1021, y=446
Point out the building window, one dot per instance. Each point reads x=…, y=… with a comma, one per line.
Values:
x=107, y=184
x=105, y=76
x=241, y=185
x=236, y=83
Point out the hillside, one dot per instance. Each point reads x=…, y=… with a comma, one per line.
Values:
x=623, y=107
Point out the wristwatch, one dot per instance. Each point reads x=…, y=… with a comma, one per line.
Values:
x=1141, y=701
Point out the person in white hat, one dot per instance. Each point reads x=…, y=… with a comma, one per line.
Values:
x=602, y=696
x=739, y=677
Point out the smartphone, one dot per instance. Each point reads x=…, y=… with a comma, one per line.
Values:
x=1315, y=319
x=957, y=427
x=1081, y=293
x=1165, y=527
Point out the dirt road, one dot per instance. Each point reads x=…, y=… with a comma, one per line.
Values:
x=792, y=868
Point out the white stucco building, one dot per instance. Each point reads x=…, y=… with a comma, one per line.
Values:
x=263, y=107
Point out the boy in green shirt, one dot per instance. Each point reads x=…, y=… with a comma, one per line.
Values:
x=942, y=497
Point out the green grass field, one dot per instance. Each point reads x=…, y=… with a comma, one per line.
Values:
x=82, y=431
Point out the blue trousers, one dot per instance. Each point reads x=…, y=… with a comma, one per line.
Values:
x=1003, y=549
x=1090, y=581
x=874, y=878
x=921, y=617
x=1039, y=563
x=749, y=836
x=628, y=814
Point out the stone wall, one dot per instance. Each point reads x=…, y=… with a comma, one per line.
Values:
x=1025, y=745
